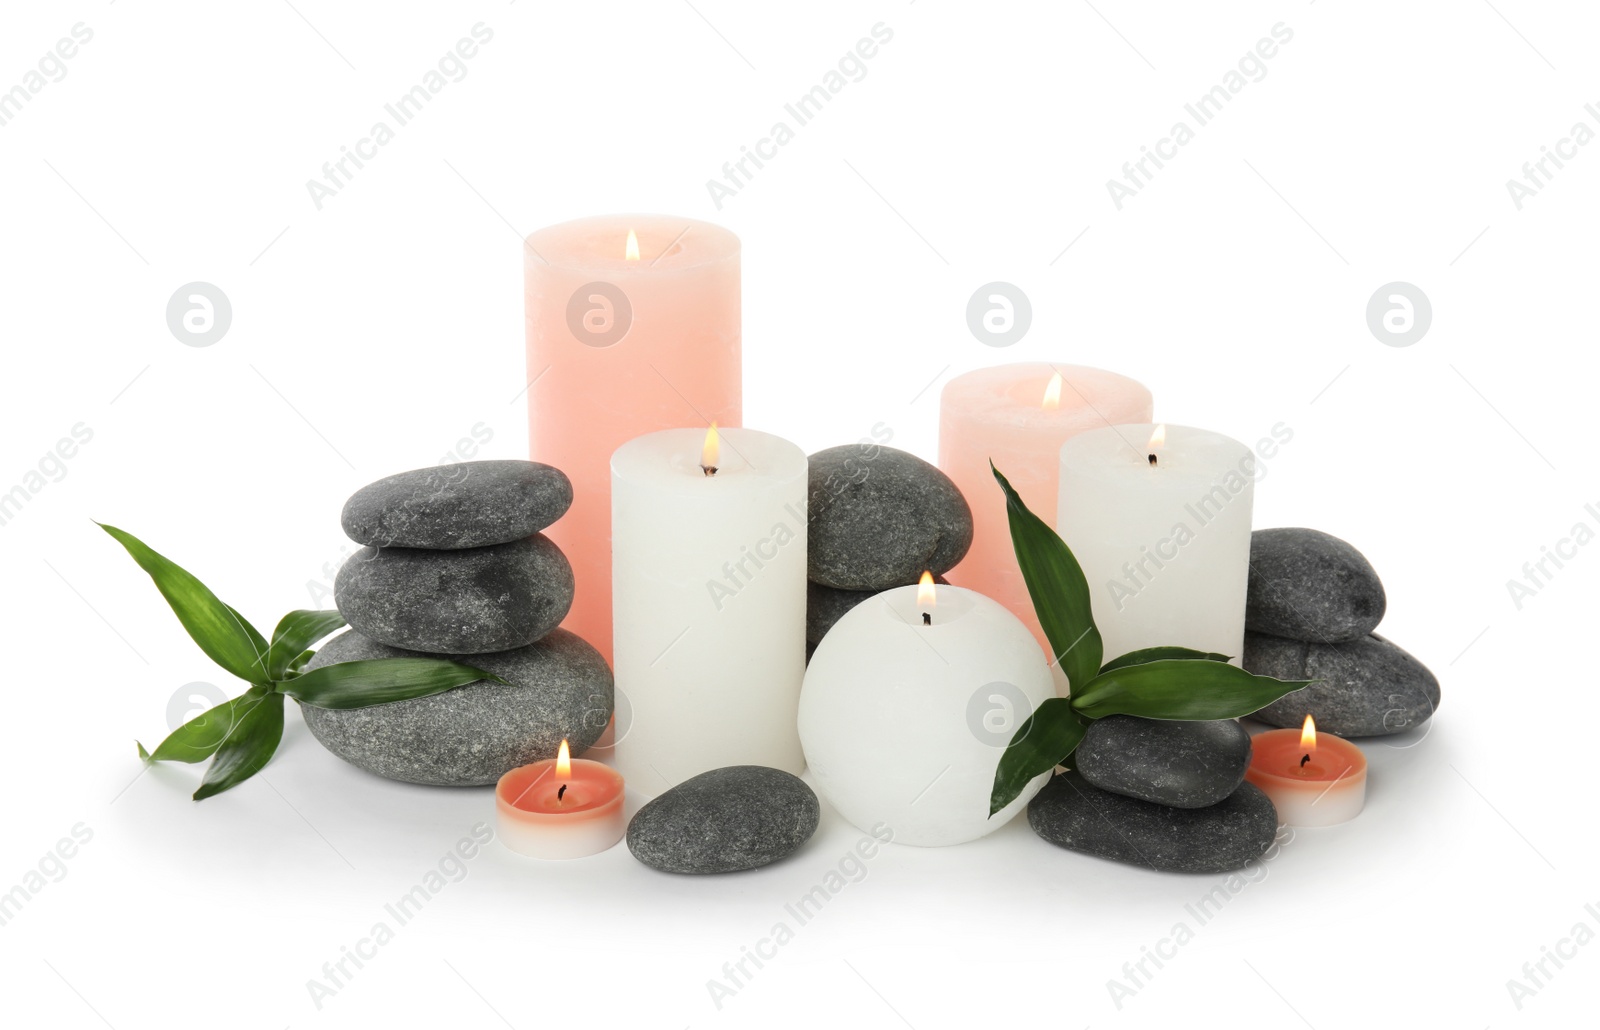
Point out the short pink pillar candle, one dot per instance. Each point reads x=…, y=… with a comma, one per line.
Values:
x=560, y=808
x=632, y=327
x=1018, y=416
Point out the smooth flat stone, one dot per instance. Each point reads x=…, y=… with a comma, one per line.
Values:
x=827, y=605
x=1075, y=814
x=558, y=687
x=725, y=821
x=1365, y=688
x=461, y=504
x=456, y=602
x=1169, y=762
x=1308, y=585
x=879, y=517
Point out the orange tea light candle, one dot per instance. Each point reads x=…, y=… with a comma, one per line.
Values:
x=1314, y=779
x=560, y=808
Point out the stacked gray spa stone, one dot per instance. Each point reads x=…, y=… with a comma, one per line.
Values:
x=1313, y=604
x=454, y=565
x=1165, y=795
x=879, y=518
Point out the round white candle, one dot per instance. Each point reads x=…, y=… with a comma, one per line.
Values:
x=709, y=604
x=904, y=723
x=1165, y=547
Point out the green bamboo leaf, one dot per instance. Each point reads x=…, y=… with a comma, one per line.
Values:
x=1180, y=689
x=298, y=666
x=1043, y=741
x=248, y=748
x=199, y=738
x=222, y=633
x=1059, y=591
x=297, y=631
x=378, y=681
x=1156, y=654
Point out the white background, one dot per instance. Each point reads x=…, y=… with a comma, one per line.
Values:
x=373, y=334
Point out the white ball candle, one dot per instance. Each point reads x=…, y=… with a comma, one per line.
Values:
x=908, y=705
x=708, y=541
x=1159, y=519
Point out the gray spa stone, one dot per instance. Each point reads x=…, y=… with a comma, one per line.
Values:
x=879, y=517
x=462, y=504
x=558, y=687
x=1075, y=814
x=1308, y=585
x=456, y=602
x=827, y=605
x=1364, y=688
x=1170, y=762
x=725, y=821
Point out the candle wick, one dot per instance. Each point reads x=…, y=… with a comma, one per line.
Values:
x=1303, y=760
x=927, y=619
x=562, y=792
x=1152, y=461
x=708, y=470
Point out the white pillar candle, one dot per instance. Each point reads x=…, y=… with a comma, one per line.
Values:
x=904, y=720
x=1159, y=519
x=709, y=603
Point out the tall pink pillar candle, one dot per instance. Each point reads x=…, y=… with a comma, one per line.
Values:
x=1018, y=416
x=632, y=327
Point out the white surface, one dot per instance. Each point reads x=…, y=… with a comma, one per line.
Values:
x=903, y=721
x=377, y=333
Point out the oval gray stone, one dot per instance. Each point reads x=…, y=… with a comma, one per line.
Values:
x=556, y=688
x=1308, y=585
x=827, y=605
x=461, y=504
x=879, y=517
x=725, y=821
x=456, y=602
x=1185, y=764
x=1364, y=688
x=1073, y=813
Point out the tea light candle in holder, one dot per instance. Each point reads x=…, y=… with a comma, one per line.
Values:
x=1314, y=779
x=560, y=808
x=908, y=704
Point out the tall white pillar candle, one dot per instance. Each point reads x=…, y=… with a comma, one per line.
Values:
x=709, y=603
x=1159, y=519
x=904, y=718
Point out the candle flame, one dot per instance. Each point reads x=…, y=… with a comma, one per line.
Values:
x=710, y=451
x=633, y=246
x=1052, y=393
x=1158, y=436
x=925, y=593
x=1308, y=735
x=564, y=762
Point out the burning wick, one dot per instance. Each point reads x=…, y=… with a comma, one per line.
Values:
x=563, y=791
x=710, y=452
x=926, y=596
x=1158, y=437
x=1303, y=760
x=927, y=619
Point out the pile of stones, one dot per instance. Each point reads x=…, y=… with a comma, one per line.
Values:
x=453, y=565
x=879, y=518
x=1163, y=794
x=1312, y=606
